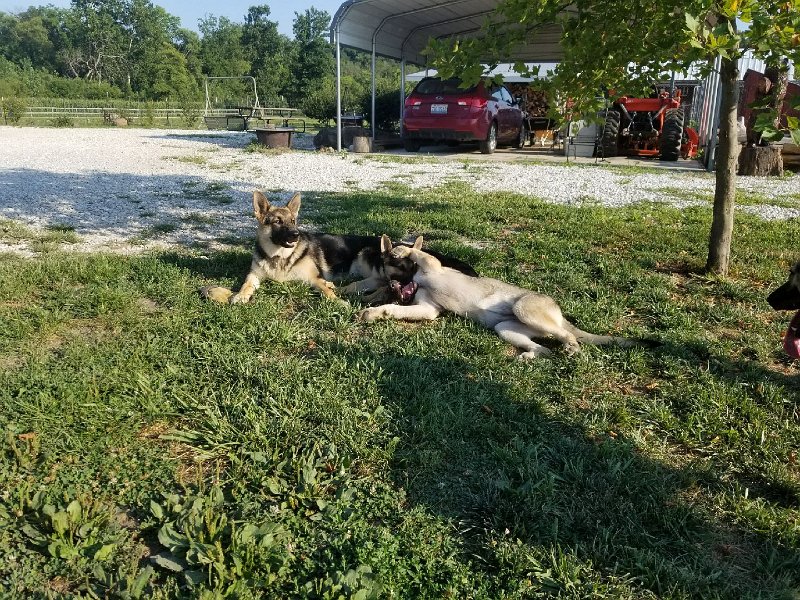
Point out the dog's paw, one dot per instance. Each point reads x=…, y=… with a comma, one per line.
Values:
x=401, y=252
x=239, y=299
x=368, y=315
x=216, y=293
x=572, y=349
x=535, y=353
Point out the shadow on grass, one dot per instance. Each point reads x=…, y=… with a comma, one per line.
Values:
x=493, y=459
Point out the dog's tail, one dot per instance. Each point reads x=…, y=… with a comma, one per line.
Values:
x=603, y=340
x=216, y=293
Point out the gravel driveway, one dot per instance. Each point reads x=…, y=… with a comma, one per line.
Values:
x=130, y=189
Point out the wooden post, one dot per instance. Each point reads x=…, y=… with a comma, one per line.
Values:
x=362, y=144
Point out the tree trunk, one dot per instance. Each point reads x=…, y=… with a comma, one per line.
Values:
x=780, y=80
x=719, y=244
x=761, y=161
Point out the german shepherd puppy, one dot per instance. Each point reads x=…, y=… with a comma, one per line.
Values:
x=284, y=253
x=516, y=314
x=787, y=297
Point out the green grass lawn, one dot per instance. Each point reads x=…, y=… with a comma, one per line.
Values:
x=156, y=446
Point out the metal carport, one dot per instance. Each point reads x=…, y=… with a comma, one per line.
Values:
x=400, y=29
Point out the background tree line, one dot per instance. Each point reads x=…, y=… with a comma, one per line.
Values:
x=133, y=49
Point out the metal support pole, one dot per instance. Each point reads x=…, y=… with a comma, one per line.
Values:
x=402, y=92
x=372, y=72
x=713, y=119
x=338, y=93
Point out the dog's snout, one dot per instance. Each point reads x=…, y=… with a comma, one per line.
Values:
x=293, y=234
x=786, y=297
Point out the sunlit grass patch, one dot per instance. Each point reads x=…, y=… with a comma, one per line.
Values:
x=160, y=445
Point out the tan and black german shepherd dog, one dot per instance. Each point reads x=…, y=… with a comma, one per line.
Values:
x=285, y=253
x=517, y=315
x=787, y=297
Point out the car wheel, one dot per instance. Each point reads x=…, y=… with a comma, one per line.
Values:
x=522, y=137
x=489, y=145
x=412, y=145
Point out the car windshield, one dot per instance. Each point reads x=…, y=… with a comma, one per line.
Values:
x=434, y=85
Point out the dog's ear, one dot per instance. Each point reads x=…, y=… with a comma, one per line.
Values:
x=294, y=204
x=386, y=244
x=418, y=243
x=260, y=206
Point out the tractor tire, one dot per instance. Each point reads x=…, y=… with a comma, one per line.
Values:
x=489, y=145
x=609, y=142
x=672, y=135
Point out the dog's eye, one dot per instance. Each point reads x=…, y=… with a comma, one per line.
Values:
x=278, y=221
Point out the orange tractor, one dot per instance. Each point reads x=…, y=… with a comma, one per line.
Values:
x=648, y=127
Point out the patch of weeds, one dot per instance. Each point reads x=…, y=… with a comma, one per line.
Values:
x=157, y=230
x=199, y=219
x=747, y=198
x=403, y=160
x=71, y=531
x=683, y=194
x=212, y=550
x=214, y=191
x=192, y=160
x=46, y=240
x=12, y=231
x=257, y=148
x=62, y=121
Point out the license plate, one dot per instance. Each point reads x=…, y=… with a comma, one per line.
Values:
x=438, y=109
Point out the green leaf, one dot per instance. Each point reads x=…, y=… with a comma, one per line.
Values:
x=36, y=536
x=140, y=581
x=167, y=561
x=104, y=552
x=692, y=23
x=194, y=578
x=156, y=510
x=171, y=538
x=793, y=122
x=84, y=530
x=795, y=134
x=247, y=532
x=60, y=522
x=771, y=134
x=59, y=549
x=75, y=512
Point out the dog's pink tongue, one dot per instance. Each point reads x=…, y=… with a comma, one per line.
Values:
x=791, y=341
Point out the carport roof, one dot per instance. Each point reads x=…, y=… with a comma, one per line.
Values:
x=401, y=29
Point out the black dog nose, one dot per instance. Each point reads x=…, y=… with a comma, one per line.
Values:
x=293, y=234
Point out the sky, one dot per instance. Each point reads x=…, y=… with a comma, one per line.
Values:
x=190, y=12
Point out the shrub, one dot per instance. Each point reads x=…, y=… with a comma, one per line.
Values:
x=320, y=104
x=387, y=108
x=62, y=121
x=13, y=110
x=149, y=117
x=190, y=114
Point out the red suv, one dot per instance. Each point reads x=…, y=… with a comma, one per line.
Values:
x=440, y=110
